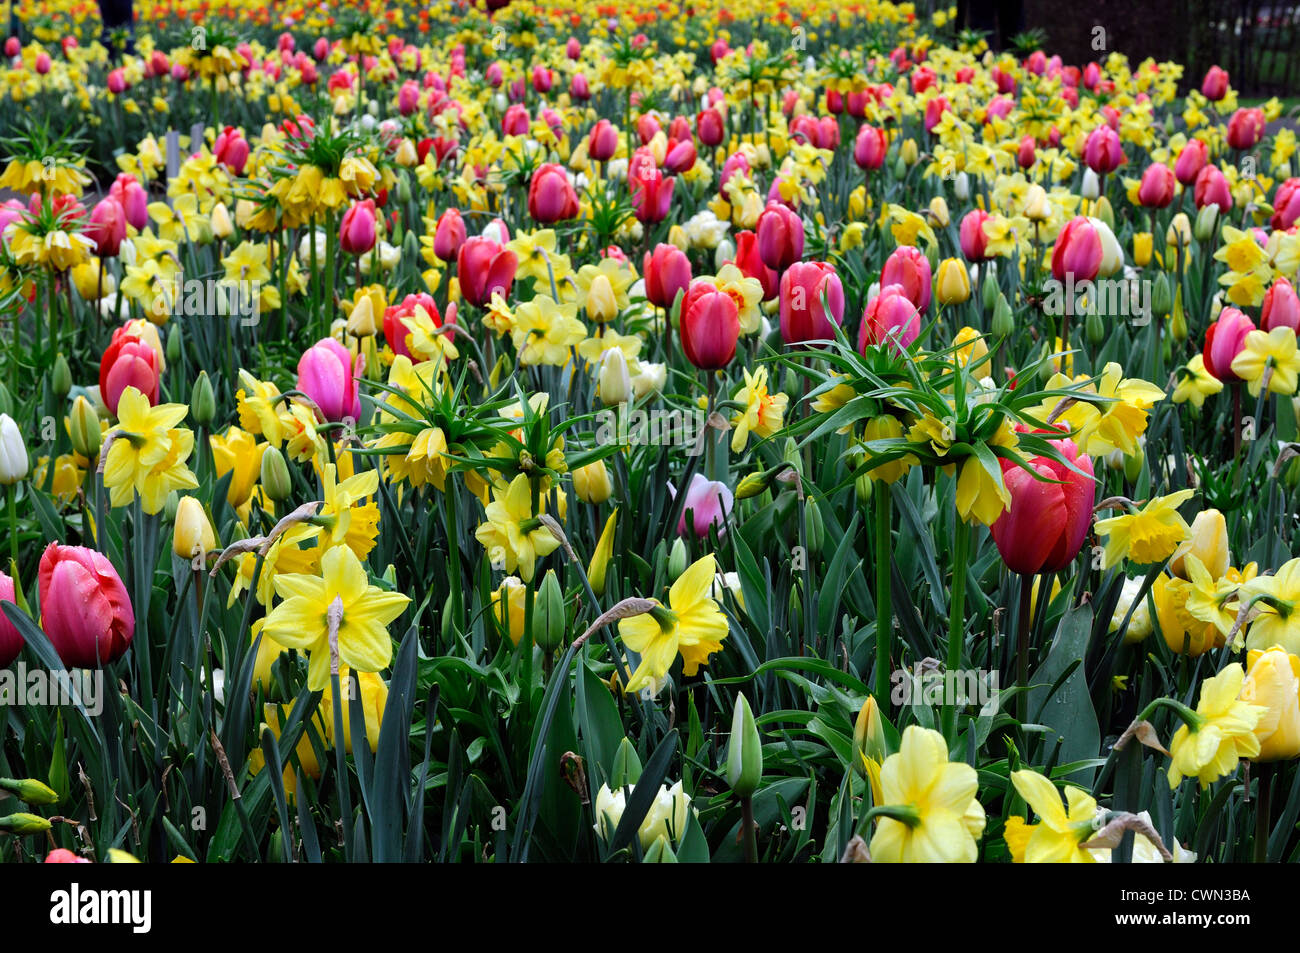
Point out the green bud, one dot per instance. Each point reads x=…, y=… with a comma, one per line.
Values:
x=411, y=248
x=448, y=626
x=814, y=527
x=403, y=187
x=1101, y=209
x=61, y=377
x=549, y=617
x=862, y=485
x=1162, y=297
x=752, y=484
x=276, y=854
x=744, y=751
x=900, y=168
x=275, y=475
x=790, y=454
x=1207, y=223
x=989, y=290
x=932, y=256
x=169, y=509
x=626, y=769
x=203, y=404
x=660, y=852
x=1093, y=328
x=1133, y=463
x=1178, y=321
x=1003, y=323
x=29, y=790
x=174, y=343
x=83, y=426
x=678, y=559
x=22, y=824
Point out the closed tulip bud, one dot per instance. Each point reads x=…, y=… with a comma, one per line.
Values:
x=406, y=156
x=1143, y=245
x=549, y=618
x=1003, y=322
x=61, y=377
x=869, y=733
x=938, y=212
x=613, y=382
x=900, y=166
x=961, y=187
x=83, y=427
x=274, y=475
x=174, y=343
x=29, y=790
x=863, y=488
x=952, y=285
x=222, y=226
x=1038, y=208
x=601, y=305
x=1207, y=223
x=203, y=403
x=1161, y=296
x=989, y=290
x=593, y=483
x=744, y=751
x=361, y=322
x=1102, y=210
x=678, y=558
x=1179, y=231
x=909, y=152
x=1094, y=328
x=814, y=527
x=13, y=452
x=192, y=534
x=1208, y=543
x=1178, y=318
x=24, y=824
x=1273, y=682
x=403, y=189
x=1091, y=187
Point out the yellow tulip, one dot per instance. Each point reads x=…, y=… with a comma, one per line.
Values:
x=1208, y=543
x=1273, y=681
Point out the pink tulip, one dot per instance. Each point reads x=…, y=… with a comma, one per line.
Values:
x=1246, y=128
x=551, y=196
x=710, y=326
x=870, y=147
x=708, y=502
x=408, y=98
x=681, y=157
x=974, y=243
x=107, y=227
x=135, y=201
x=667, y=271
x=1050, y=513
x=357, y=230
x=117, y=82
x=804, y=317
x=231, y=150
x=1224, y=340
x=1078, y=251
x=1215, y=85
x=327, y=376
x=1191, y=160
x=11, y=642
x=579, y=88
x=652, y=191
x=1212, y=189
x=516, y=121
x=709, y=125
x=602, y=143
x=1157, y=187
x=85, y=609
x=61, y=855
x=1286, y=205
x=1027, y=152
x=1102, y=151
x=908, y=267
x=483, y=267
x=1281, y=307
x=780, y=236
x=449, y=234
x=891, y=318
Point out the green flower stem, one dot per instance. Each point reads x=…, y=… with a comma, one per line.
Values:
x=1263, y=811
x=956, y=615
x=884, y=606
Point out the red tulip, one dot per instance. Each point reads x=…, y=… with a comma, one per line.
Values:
x=1212, y=189
x=1281, y=307
x=803, y=316
x=780, y=236
x=1102, y=151
x=709, y=125
x=135, y=201
x=710, y=326
x=397, y=334
x=602, y=143
x=1246, y=128
x=974, y=243
x=1286, y=205
x=231, y=150
x=1027, y=152
x=1191, y=161
x=128, y=362
x=748, y=261
x=408, y=98
x=667, y=271
x=117, y=82
x=11, y=642
x=543, y=79
x=1047, y=522
x=910, y=269
x=85, y=609
x=890, y=318
x=1078, y=251
x=1224, y=340
x=579, y=88
x=1215, y=85
x=482, y=267
x=551, y=197
x=573, y=49
x=107, y=227
x=934, y=111
x=1157, y=187
x=680, y=157
x=652, y=191
x=357, y=230
x=516, y=121
x=327, y=375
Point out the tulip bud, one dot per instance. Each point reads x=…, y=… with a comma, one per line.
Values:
x=938, y=212
x=1161, y=296
x=84, y=429
x=222, y=226
x=863, y=488
x=961, y=187
x=1094, y=328
x=549, y=618
x=909, y=152
x=1207, y=223
x=900, y=166
x=275, y=475
x=814, y=527
x=613, y=382
x=601, y=304
x=593, y=483
x=678, y=559
x=61, y=377
x=869, y=734
x=1003, y=322
x=1091, y=187
x=1143, y=245
x=1208, y=543
x=1038, y=208
x=203, y=404
x=744, y=751
x=1179, y=231
x=626, y=769
x=361, y=322
x=952, y=284
x=403, y=190
x=192, y=534
x=174, y=343
x=989, y=290
x=23, y=824
x=600, y=558
x=1102, y=210
x=1178, y=322
x=13, y=452
x=29, y=790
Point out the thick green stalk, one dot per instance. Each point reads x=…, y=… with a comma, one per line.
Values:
x=884, y=606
